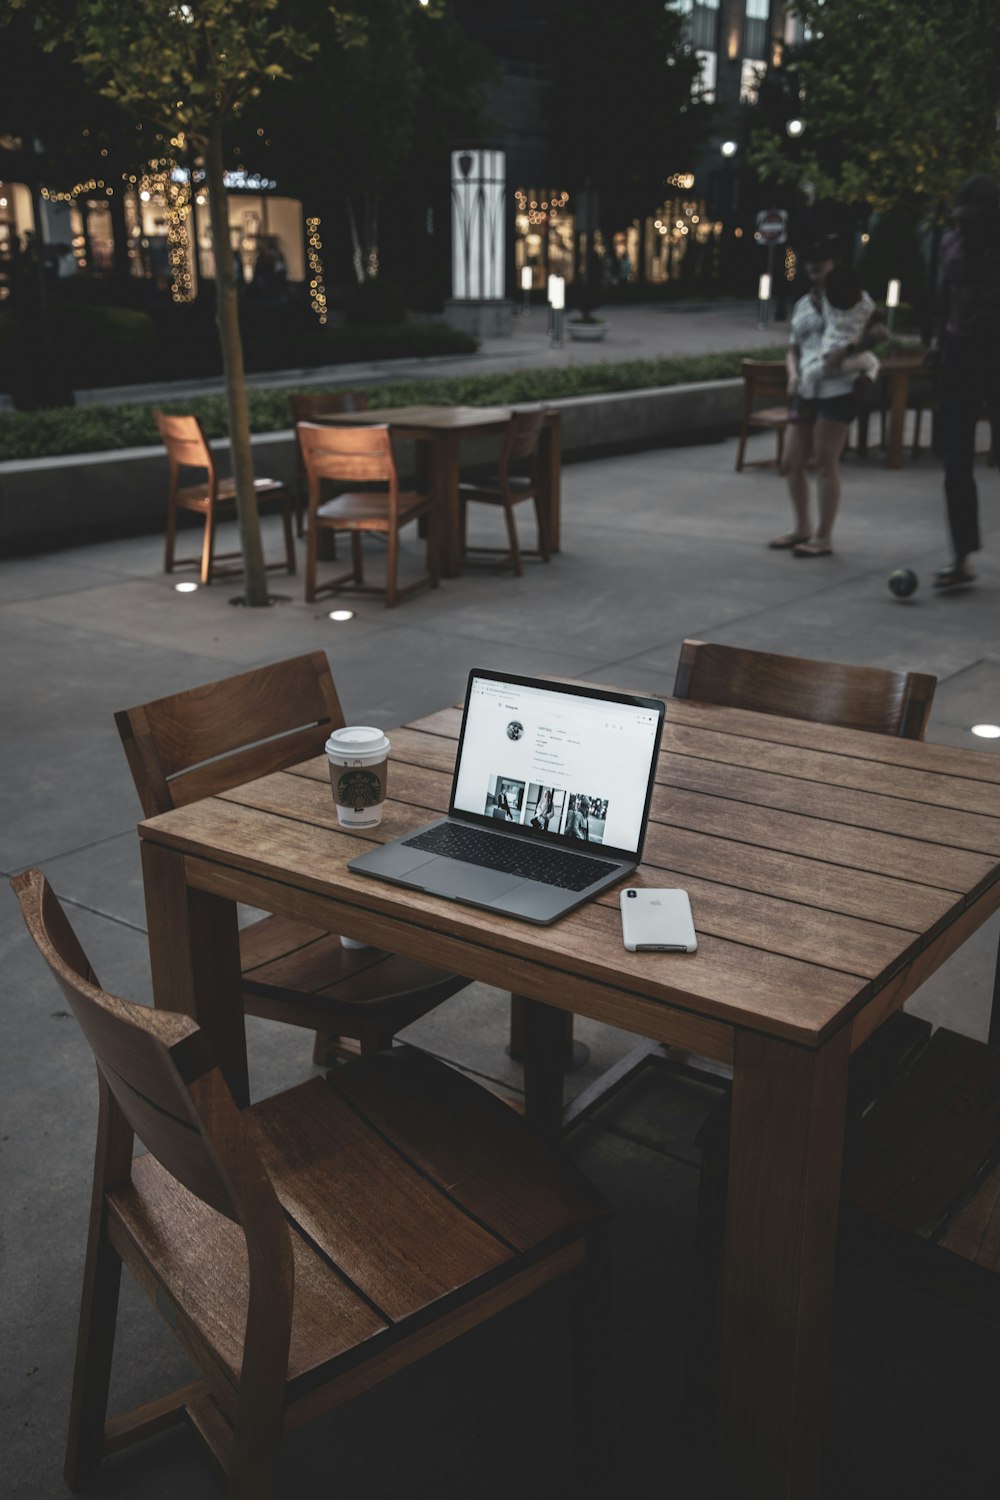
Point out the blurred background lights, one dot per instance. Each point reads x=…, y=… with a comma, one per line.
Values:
x=987, y=731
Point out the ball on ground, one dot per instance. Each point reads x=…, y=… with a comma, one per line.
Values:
x=903, y=582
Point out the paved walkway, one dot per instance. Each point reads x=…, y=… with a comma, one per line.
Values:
x=658, y=546
x=647, y=332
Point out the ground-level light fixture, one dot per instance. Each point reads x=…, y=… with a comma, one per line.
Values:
x=340, y=615
x=795, y=127
x=987, y=731
x=728, y=148
x=185, y=588
x=892, y=302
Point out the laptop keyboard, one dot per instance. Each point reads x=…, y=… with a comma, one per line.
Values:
x=571, y=872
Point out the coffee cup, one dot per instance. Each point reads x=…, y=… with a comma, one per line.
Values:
x=357, y=757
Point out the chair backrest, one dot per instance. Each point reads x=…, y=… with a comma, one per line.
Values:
x=307, y=405
x=353, y=453
x=157, y=1065
x=825, y=692
x=186, y=445
x=763, y=379
x=521, y=438
x=208, y=739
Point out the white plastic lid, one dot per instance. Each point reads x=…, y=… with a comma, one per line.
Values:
x=357, y=742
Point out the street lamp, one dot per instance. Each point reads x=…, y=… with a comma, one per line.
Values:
x=526, y=280
x=728, y=148
x=892, y=302
x=795, y=127
x=557, y=301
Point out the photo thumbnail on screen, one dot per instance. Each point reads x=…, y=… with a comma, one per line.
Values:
x=585, y=818
x=544, y=808
x=504, y=799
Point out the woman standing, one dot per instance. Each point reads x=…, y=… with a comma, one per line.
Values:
x=816, y=427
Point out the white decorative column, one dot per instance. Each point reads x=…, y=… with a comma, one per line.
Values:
x=478, y=243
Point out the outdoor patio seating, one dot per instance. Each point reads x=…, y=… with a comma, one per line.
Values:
x=307, y=1247
x=507, y=490
x=362, y=456
x=221, y=735
x=211, y=497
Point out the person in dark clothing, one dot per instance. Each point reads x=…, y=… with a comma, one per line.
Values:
x=965, y=351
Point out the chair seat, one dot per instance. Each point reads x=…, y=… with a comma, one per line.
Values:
x=368, y=509
x=306, y=977
x=523, y=489
x=768, y=416
x=393, y=1209
x=196, y=496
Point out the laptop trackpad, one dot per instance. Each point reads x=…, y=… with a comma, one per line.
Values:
x=452, y=877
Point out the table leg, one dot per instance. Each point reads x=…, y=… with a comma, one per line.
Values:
x=550, y=475
x=899, y=390
x=786, y=1156
x=544, y=1038
x=445, y=489
x=194, y=952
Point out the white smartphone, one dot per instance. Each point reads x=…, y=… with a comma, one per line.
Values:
x=657, y=921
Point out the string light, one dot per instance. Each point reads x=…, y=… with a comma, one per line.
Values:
x=314, y=252
x=160, y=184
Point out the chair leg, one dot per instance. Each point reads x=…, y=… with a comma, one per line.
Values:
x=434, y=546
x=311, y=560
x=741, y=450
x=286, y=521
x=99, y=1302
x=207, y=548
x=781, y=446
x=515, y=549
x=543, y=530
x=391, y=567
x=357, y=557
x=168, y=555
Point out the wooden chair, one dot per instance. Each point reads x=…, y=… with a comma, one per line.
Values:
x=853, y=697
x=307, y=406
x=206, y=740
x=211, y=497
x=520, y=445
x=310, y=1246
x=764, y=381
x=361, y=455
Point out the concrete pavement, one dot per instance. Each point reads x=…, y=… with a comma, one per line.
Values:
x=657, y=546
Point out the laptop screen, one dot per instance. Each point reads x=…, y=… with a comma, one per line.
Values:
x=573, y=765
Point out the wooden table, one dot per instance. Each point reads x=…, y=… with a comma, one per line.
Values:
x=830, y=873
x=442, y=428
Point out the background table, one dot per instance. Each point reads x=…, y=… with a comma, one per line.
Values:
x=442, y=428
x=830, y=873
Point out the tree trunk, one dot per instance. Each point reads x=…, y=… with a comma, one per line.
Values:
x=119, y=234
x=227, y=316
x=357, y=257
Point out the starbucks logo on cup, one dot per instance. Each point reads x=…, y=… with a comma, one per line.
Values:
x=359, y=789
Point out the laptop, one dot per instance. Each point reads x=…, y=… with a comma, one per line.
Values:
x=549, y=802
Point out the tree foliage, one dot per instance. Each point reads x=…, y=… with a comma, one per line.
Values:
x=900, y=100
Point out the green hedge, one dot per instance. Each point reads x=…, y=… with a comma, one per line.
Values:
x=94, y=429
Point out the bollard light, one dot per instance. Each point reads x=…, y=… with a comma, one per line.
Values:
x=728, y=148
x=557, y=293
x=892, y=294
x=525, y=278
x=764, y=289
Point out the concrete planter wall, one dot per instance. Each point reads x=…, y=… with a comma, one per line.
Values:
x=51, y=502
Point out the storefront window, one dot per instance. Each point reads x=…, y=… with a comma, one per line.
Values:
x=544, y=231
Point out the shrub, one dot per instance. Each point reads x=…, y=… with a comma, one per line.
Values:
x=26, y=435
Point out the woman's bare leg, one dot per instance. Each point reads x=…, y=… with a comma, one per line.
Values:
x=828, y=444
x=798, y=442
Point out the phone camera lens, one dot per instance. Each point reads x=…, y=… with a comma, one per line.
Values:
x=630, y=893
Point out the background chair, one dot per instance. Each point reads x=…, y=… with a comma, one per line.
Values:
x=425, y=1208
x=307, y=406
x=765, y=407
x=209, y=739
x=212, y=497
x=853, y=697
x=520, y=445
x=361, y=455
